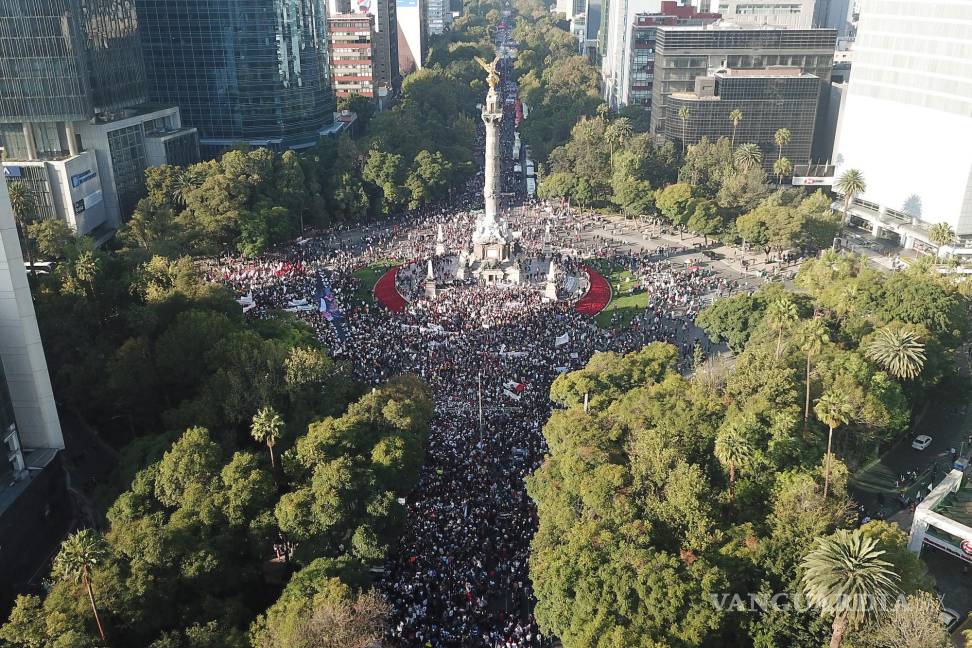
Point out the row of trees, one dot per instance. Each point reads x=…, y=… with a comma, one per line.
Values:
x=249, y=200
x=183, y=563
x=667, y=494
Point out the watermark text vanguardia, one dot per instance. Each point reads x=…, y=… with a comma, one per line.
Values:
x=751, y=602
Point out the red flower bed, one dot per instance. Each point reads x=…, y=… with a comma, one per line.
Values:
x=387, y=294
x=597, y=296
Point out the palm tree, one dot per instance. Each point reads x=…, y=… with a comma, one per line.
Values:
x=735, y=117
x=683, y=114
x=845, y=576
x=781, y=315
x=186, y=183
x=850, y=183
x=782, y=138
x=748, y=156
x=833, y=410
x=898, y=350
x=812, y=339
x=782, y=167
x=941, y=234
x=733, y=450
x=618, y=133
x=267, y=428
x=79, y=554
x=22, y=202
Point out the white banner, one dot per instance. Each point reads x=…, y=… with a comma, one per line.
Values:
x=562, y=340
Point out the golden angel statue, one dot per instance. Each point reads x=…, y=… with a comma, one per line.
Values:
x=492, y=77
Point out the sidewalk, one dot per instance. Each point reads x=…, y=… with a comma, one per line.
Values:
x=758, y=264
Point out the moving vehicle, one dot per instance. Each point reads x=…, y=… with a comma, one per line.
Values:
x=921, y=442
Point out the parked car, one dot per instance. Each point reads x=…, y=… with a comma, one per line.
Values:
x=921, y=442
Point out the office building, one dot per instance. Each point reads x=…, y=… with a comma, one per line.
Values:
x=438, y=15
x=127, y=142
x=684, y=53
x=789, y=14
x=570, y=8
x=352, y=38
x=769, y=99
x=388, y=78
x=89, y=71
x=614, y=38
x=906, y=124
x=34, y=509
x=636, y=80
x=241, y=71
x=592, y=23
x=412, y=34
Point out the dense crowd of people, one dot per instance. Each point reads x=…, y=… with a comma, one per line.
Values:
x=490, y=354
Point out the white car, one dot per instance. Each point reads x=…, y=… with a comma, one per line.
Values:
x=921, y=442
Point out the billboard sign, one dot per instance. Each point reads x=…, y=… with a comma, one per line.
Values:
x=12, y=171
x=812, y=181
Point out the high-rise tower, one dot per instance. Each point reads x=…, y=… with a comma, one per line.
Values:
x=912, y=80
x=73, y=124
x=242, y=71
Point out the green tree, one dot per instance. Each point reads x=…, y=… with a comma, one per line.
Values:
x=813, y=337
x=782, y=168
x=897, y=349
x=733, y=450
x=781, y=315
x=561, y=184
x=705, y=219
x=844, y=576
x=363, y=107
x=683, y=115
x=618, y=133
x=833, y=410
x=893, y=541
x=267, y=427
x=80, y=554
x=941, y=234
x=386, y=171
x=782, y=138
x=912, y=623
x=674, y=202
x=850, y=183
x=428, y=178
x=748, y=156
x=24, y=208
x=735, y=117
x=52, y=236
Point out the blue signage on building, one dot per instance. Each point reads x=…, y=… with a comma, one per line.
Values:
x=80, y=178
x=12, y=172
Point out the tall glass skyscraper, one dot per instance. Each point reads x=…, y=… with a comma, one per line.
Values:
x=252, y=71
x=906, y=123
x=64, y=60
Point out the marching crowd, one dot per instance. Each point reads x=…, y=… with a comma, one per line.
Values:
x=490, y=355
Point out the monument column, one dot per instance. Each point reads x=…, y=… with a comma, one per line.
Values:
x=492, y=115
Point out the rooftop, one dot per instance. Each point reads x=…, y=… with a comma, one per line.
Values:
x=725, y=25
x=781, y=71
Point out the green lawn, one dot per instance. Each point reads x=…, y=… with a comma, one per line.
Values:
x=368, y=276
x=626, y=305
